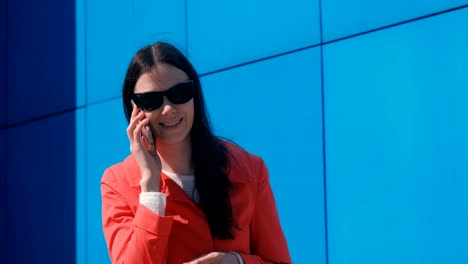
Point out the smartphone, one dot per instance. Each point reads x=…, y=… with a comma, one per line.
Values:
x=149, y=138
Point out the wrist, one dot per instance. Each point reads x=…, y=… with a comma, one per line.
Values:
x=236, y=256
x=149, y=185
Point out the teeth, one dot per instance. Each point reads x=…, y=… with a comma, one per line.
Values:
x=171, y=124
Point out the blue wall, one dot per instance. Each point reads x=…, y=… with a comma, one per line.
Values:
x=358, y=108
x=269, y=100
x=41, y=59
x=3, y=113
x=37, y=136
x=222, y=34
x=342, y=18
x=397, y=185
x=3, y=196
x=3, y=60
x=41, y=191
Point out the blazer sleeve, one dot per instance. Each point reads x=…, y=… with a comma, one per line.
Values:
x=268, y=244
x=132, y=237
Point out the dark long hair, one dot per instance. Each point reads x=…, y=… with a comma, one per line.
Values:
x=209, y=154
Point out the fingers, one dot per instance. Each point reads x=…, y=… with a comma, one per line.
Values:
x=135, y=111
x=137, y=132
x=135, y=119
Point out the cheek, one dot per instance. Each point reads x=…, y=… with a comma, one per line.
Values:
x=189, y=108
x=189, y=113
x=153, y=117
x=148, y=115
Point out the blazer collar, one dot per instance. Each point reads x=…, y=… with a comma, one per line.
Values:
x=132, y=171
x=168, y=186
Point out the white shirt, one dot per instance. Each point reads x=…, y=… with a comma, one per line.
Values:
x=156, y=201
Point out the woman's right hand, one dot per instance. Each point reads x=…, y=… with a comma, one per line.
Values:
x=150, y=165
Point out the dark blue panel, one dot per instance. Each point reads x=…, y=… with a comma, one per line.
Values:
x=397, y=150
x=41, y=191
x=226, y=33
x=343, y=17
x=3, y=54
x=41, y=58
x=80, y=52
x=273, y=109
x=81, y=195
x=3, y=197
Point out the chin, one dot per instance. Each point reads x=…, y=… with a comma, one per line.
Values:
x=172, y=140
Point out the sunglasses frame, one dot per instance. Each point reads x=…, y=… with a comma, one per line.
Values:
x=136, y=97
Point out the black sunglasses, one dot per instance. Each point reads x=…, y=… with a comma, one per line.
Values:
x=178, y=94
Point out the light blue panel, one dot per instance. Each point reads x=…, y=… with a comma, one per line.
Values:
x=226, y=33
x=110, y=45
x=81, y=193
x=160, y=21
x=115, y=30
x=273, y=109
x=343, y=17
x=106, y=144
x=397, y=144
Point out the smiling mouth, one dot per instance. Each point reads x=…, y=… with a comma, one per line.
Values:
x=171, y=124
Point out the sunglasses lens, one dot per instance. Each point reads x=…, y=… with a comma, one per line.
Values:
x=148, y=101
x=181, y=93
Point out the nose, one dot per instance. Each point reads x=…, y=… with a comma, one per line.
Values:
x=167, y=107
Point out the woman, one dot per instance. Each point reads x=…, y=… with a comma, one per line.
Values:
x=184, y=195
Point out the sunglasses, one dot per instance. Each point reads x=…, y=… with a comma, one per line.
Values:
x=179, y=94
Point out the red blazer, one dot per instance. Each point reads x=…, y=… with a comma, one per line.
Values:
x=134, y=234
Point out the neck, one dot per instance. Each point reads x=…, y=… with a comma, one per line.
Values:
x=176, y=158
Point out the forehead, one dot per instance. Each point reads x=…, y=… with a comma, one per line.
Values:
x=160, y=78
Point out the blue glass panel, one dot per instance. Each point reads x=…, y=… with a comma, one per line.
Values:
x=273, y=109
x=3, y=209
x=343, y=17
x=107, y=144
x=80, y=52
x=41, y=58
x=110, y=45
x=160, y=21
x=3, y=56
x=396, y=137
x=41, y=191
x=81, y=192
x=226, y=33
x=111, y=42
